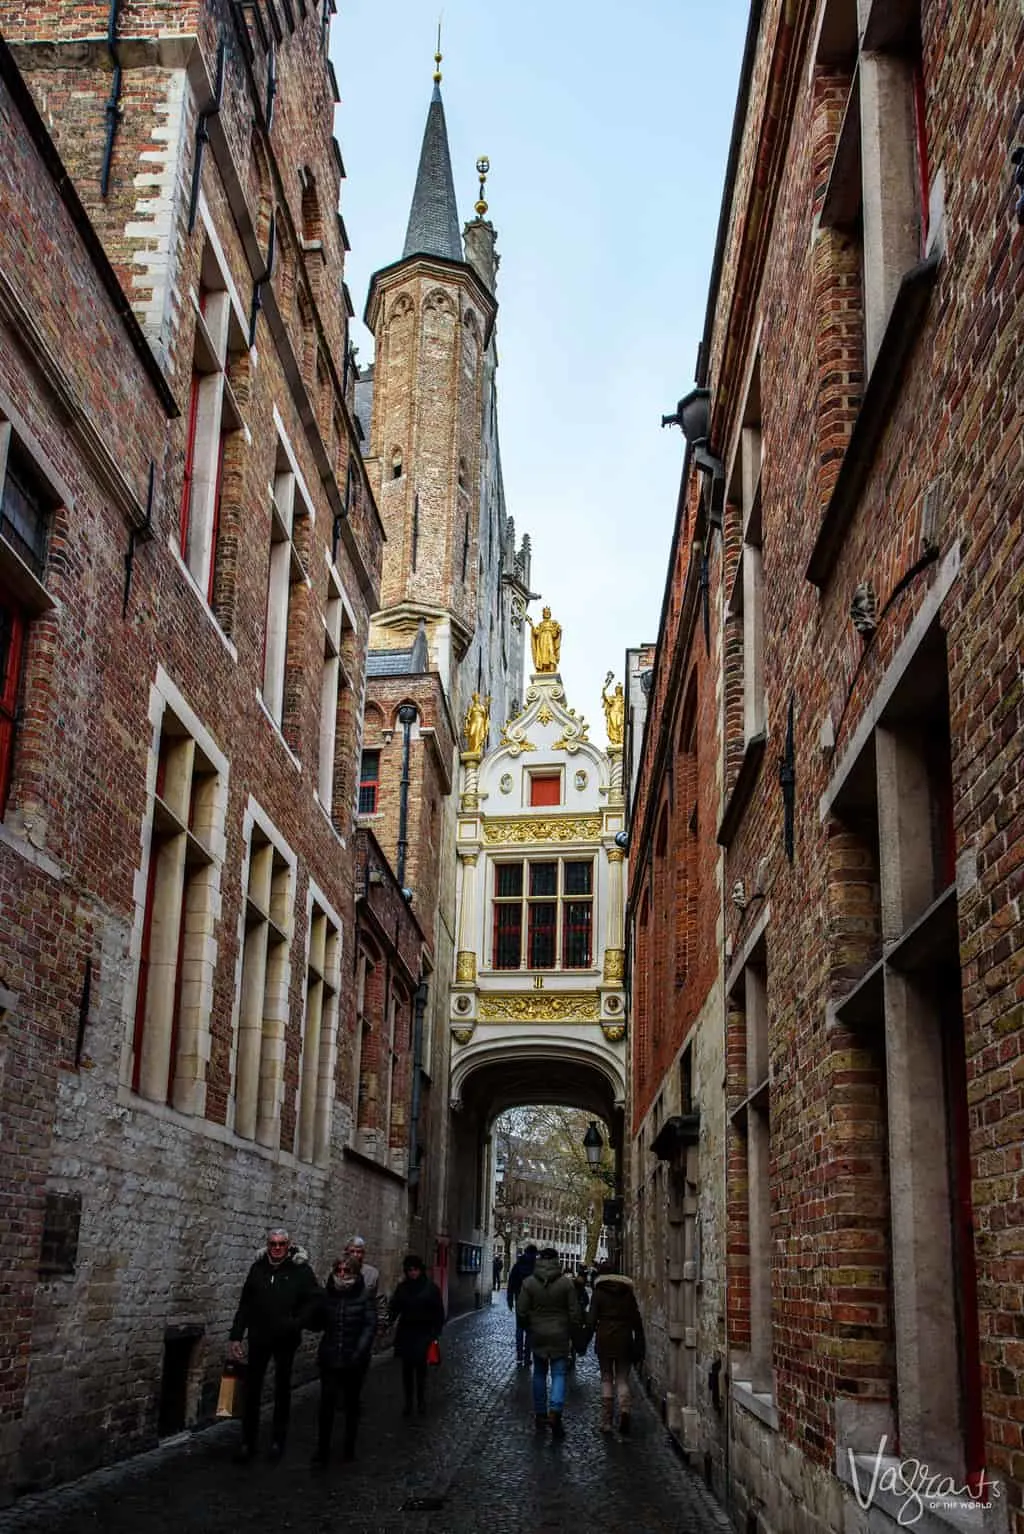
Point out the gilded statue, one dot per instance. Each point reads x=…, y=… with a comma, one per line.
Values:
x=614, y=711
x=545, y=641
x=478, y=720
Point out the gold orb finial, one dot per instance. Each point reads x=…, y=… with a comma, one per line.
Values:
x=438, y=56
x=483, y=165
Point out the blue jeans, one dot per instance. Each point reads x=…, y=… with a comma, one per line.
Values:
x=522, y=1341
x=540, y=1383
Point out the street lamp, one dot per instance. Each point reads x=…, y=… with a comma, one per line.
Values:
x=593, y=1145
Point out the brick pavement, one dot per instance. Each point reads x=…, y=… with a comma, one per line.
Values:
x=474, y=1460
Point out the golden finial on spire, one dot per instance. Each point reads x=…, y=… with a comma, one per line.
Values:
x=438, y=55
x=483, y=165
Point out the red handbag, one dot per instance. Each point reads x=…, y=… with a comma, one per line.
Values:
x=434, y=1352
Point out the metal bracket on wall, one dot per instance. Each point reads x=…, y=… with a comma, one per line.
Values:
x=136, y=535
x=787, y=781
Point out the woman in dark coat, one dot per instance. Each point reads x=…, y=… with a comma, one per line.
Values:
x=419, y=1310
x=618, y=1340
x=348, y=1318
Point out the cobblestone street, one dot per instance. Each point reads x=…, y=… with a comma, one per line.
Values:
x=472, y=1464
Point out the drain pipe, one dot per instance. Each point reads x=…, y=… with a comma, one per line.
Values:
x=407, y=718
x=419, y=1007
x=112, y=109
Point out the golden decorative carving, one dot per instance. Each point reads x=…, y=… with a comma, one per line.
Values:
x=462, y=1035
x=614, y=965
x=542, y=1007
x=549, y=828
x=544, y=714
x=614, y=1032
x=545, y=642
x=515, y=742
x=477, y=724
x=614, y=711
x=465, y=966
x=470, y=858
x=616, y=855
x=573, y=736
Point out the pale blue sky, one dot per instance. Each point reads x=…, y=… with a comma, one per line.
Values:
x=607, y=127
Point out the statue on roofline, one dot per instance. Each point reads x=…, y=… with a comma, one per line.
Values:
x=545, y=641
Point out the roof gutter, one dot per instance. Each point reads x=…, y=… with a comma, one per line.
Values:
x=732, y=165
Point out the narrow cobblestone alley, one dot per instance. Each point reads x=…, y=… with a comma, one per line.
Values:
x=472, y=1464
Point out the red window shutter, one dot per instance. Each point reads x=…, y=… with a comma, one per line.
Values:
x=216, y=518
x=190, y=454
x=546, y=790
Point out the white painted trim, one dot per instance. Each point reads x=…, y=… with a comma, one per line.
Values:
x=222, y=263
x=289, y=453
x=172, y=544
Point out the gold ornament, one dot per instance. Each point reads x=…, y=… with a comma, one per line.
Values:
x=462, y=1035
x=550, y=828
x=544, y=1007
x=477, y=724
x=573, y=736
x=465, y=967
x=545, y=642
x=614, y=1032
x=614, y=711
x=614, y=965
x=515, y=743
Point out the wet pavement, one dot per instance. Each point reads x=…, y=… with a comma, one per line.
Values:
x=472, y=1465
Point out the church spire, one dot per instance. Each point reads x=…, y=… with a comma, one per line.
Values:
x=434, y=219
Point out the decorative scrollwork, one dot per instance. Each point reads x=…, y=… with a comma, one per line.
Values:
x=549, y=828
x=540, y=1007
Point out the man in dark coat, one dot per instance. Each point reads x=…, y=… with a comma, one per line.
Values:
x=618, y=1340
x=550, y=1311
x=419, y=1310
x=348, y=1318
x=520, y=1270
x=275, y=1296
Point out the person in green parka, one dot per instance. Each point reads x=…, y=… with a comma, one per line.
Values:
x=549, y=1309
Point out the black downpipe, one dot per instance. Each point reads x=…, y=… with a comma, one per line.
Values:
x=406, y=718
x=419, y=1007
x=112, y=110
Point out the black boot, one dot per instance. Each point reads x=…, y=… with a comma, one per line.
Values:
x=557, y=1430
x=540, y=1423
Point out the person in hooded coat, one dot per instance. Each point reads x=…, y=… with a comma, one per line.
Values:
x=347, y=1316
x=614, y=1318
x=418, y=1308
x=275, y=1296
x=518, y=1274
x=550, y=1311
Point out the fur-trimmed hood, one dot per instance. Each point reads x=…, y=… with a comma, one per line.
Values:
x=294, y=1254
x=613, y=1278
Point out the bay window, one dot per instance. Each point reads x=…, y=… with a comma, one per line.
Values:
x=544, y=914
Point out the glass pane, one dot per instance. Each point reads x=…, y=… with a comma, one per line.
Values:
x=508, y=936
x=24, y=519
x=543, y=917
x=543, y=878
x=370, y=769
x=508, y=880
x=576, y=934
x=367, y=798
x=579, y=878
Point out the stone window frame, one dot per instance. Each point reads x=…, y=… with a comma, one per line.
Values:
x=318, y=1057
x=884, y=773
x=341, y=634
x=261, y=1009
x=746, y=600
x=213, y=417
x=171, y=1072
x=881, y=189
x=291, y=515
x=750, y=1117
x=24, y=597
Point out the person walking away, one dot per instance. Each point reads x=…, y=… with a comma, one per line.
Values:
x=348, y=1319
x=579, y=1278
x=618, y=1339
x=518, y=1273
x=549, y=1309
x=496, y=1268
x=417, y=1307
x=275, y=1296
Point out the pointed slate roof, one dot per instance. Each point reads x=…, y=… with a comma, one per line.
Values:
x=434, y=219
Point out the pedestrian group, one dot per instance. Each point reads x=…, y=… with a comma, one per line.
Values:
x=281, y=1299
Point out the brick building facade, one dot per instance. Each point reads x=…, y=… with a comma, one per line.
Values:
x=857, y=464
x=189, y=554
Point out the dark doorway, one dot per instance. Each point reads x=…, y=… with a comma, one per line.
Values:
x=179, y=1355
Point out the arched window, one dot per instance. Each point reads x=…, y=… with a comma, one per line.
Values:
x=396, y=463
